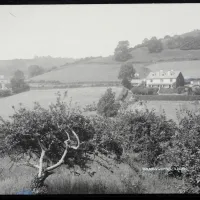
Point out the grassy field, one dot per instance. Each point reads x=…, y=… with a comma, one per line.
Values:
x=124, y=179
x=188, y=68
x=88, y=72
x=82, y=96
x=169, y=107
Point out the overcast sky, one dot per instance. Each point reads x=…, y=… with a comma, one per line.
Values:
x=88, y=30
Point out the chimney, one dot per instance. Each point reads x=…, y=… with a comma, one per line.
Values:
x=161, y=72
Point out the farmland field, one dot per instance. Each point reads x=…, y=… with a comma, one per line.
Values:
x=83, y=96
x=93, y=72
x=170, y=107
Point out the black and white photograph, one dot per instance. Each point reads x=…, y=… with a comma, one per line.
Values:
x=100, y=99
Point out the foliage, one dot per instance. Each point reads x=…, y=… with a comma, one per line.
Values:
x=126, y=71
x=90, y=107
x=5, y=93
x=170, y=97
x=28, y=133
x=126, y=83
x=17, y=82
x=185, y=151
x=122, y=51
x=197, y=91
x=144, y=90
x=145, y=133
x=107, y=106
x=167, y=91
x=35, y=70
x=154, y=45
x=190, y=42
x=28, y=129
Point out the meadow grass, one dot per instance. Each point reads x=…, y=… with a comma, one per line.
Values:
x=125, y=180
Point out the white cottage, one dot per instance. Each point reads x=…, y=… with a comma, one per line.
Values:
x=165, y=79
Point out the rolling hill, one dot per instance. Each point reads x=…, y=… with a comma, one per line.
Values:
x=141, y=55
x=8, y=67
x=87, y=72
x=104, y=69
x=190, y=69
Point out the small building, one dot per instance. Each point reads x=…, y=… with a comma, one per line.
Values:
x=3, y=82
x=195, y=82
x=165, y=79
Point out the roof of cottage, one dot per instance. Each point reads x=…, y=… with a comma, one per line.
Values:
x=163, y=74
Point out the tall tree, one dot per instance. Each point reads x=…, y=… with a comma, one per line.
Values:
x=122, y=51
x=17, y=82
x=126, y=73
x=154, y=45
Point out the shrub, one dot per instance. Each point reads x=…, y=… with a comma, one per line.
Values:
x=5, y=93
x=167, y=91
x=197, y=91
x=169, y=97
x=107, y=106
x=90, y=107
x=185, y=151
x=145, y=133
x=144, y=90
x=49, y=134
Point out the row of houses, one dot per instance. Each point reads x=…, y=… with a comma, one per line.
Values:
x=161, y=79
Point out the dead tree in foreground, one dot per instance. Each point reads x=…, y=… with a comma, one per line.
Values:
x=37, y=184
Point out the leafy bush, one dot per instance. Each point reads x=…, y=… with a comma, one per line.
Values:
x=5, y=93
x=169, y=97
x=197, y=91
x=90, y=107
x=167, y=91
x=107, y=106
x=144, y=90
x=122, y=53
x=126, y=83
x=29, y=134
x=145, y=133
x=154, y=45
x=17, y=82
x=185, y=151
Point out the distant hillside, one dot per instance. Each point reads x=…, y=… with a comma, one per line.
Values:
x=88, y=72
x=190, y=69
x=7, y=67
x=142, y=55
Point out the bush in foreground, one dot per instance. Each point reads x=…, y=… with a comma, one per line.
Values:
x=107, y=106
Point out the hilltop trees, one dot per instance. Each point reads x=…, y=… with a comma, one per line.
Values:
x=35, y=70
x=154, y=45
x=17, y=82
x=126, y=73
x=121, y=53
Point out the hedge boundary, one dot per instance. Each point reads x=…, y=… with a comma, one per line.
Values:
x=168, y=97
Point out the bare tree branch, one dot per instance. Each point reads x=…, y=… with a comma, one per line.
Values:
x=77, y=138
x=60, y=162
x=41, y=163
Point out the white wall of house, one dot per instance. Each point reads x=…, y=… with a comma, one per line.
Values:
x=160, y=81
